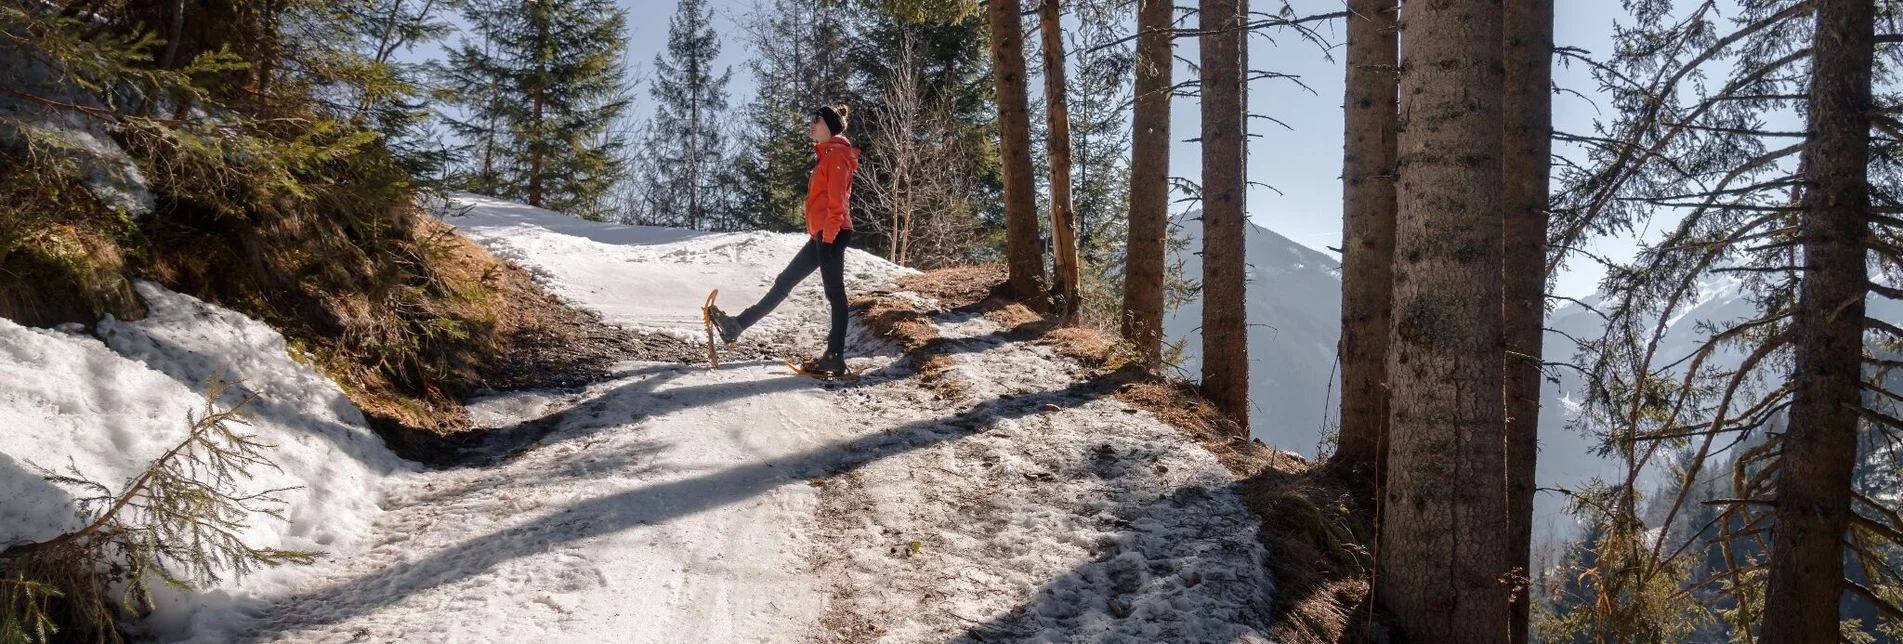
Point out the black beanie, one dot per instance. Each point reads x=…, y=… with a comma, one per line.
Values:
x=835, y=118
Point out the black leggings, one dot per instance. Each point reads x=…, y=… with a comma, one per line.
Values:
x=830, y=259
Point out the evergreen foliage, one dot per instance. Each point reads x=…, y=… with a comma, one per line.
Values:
x=685, y=161
x=1709, y=142
x=178, y=523
x=539, y=85
x=799, y=63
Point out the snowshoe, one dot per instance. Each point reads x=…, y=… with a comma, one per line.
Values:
x=828, y=368
x=707, y=313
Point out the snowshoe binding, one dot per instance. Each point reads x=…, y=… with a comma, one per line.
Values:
x=831, y=368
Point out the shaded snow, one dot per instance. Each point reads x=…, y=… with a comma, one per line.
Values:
x=1042, y=512
x=73, y=403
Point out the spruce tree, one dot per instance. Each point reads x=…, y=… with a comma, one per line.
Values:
x=1367, y=239
x=541, y=83
x=1445, y=566
x=949, y=58
x=1791, y=217
x=800, y=61
x=1143, y=290
x=1100, y=113
x=690, y=183
x=1225, y=107
x=1022, y=243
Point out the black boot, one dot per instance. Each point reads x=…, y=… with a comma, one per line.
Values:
x=831, y=364
x=727, y=325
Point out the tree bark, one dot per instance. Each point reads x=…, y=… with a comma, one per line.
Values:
x=1148, y=237
x=1367, y=248
x=1067, y=274
x=1527, y=165
x=1819, y=450
x=1023, y=252
x=1444, y=562
x=1225, y=151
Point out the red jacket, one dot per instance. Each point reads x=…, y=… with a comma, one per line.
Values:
x=830, y=189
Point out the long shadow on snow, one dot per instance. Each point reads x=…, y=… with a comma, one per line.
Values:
x=1136, y=588
x=195, y=369
x=644, y=394
x=649, y=505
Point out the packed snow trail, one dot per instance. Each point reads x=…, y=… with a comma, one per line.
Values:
x=673, y=502
x=669, y=503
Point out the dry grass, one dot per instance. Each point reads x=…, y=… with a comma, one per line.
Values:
x=898, y=320
x=1014, y=316
x=959, y=286
x=1322, y=555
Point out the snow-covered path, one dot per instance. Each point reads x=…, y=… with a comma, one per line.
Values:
x=670, y=503
x=677, y=503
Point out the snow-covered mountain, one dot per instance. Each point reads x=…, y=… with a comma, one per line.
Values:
x=1294, y=316
x=1294, y=313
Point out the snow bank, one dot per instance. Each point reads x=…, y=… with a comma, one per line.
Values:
x=655, y=279
x=73, y=403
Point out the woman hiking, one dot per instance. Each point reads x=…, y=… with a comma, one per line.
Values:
x=828, y=230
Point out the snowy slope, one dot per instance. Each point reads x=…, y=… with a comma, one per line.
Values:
x=654, y=279
x=106, y=408
x=1294, y=314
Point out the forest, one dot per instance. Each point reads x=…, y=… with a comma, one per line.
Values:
x=1737, y=376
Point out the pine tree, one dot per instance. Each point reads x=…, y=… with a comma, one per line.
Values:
x=1444, y=564
x=1225, y=106
x=800, y=61
x=1754, y=213
x=950, y=68
x=689, y=184
x=545, y=76
x=1100, y=100
x=1526, y=161
x=1819, y=449
x=1149, y=181
x=1367, y=238
x=1022, y=246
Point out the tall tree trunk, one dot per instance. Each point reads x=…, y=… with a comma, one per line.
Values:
x=1067, y=275
x=1225, y=143
x=1023, y=251
x=1526, y=162
x=1148, y=243
x=538, y=142
x=536, y=147
x=1367, y=236
x=1444, y=560
x=1819, y=448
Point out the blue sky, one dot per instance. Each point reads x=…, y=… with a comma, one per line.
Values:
x=1303, y=163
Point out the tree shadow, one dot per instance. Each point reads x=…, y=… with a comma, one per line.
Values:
x=653, y=504
x=31, y=500
x=645, y=393
x=194, y=369
x=1144, y=584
